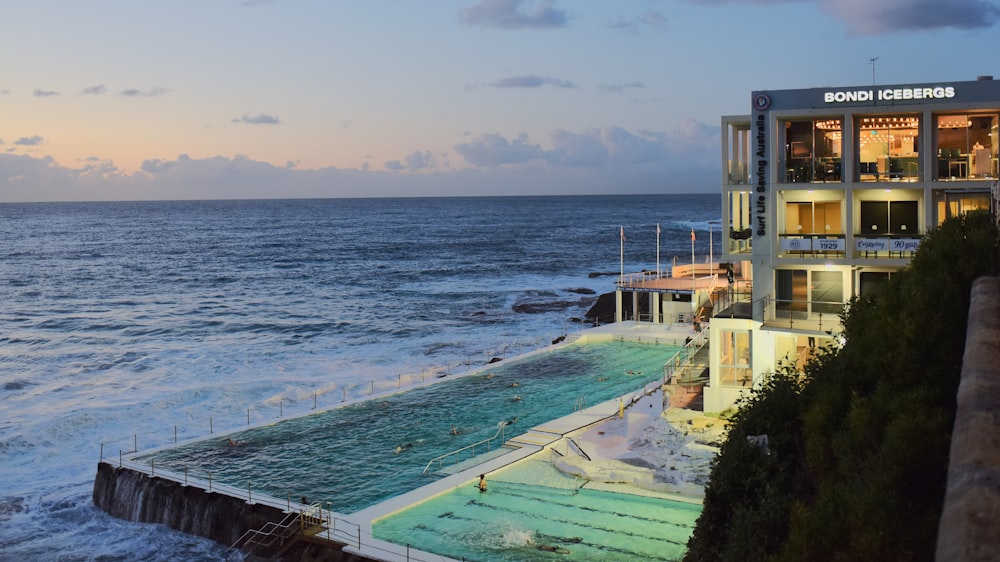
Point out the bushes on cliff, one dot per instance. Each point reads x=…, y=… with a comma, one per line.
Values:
x=859, y=445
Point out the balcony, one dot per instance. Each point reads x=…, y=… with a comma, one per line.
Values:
x=819, y=317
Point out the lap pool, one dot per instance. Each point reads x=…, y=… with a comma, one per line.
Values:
x=531, y=511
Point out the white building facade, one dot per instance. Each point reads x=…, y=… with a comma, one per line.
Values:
x=825, y=193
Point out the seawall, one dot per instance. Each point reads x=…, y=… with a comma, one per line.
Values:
x=135, y=496
x=969, y=529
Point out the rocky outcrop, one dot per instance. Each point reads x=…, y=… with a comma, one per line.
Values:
x=603, y=311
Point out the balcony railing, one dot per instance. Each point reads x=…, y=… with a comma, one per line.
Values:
x=816, y=316
x=813, y=246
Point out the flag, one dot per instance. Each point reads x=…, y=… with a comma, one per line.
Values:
x=692, y=235
x=657, y=229
x=621, y=232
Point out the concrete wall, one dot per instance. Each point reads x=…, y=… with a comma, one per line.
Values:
x=136, y=496
x=970, y=522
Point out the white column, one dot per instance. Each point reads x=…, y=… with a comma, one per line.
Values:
x=618, y=306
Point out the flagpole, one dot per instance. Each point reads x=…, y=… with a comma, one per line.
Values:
x=694, y=305
x=621, y=251
x=657, y=250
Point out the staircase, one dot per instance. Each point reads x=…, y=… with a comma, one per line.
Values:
x=274, y=539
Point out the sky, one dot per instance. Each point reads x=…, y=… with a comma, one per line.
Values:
x=218, y=99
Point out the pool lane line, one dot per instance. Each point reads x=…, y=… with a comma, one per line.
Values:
x=567, y=492
x=577, y=524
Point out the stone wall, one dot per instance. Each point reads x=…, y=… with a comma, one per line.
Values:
x=970, y=522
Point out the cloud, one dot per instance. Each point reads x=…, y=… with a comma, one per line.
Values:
x=95, y=90
x=595, y=161
x=514, y=14
x=619, y=88
x=40, y=93
x=259, y=119
x=136, y=93
x=611, y=147
x=531, y=81
x=29, y=141
x=495, y=150
x=884, y=17
x=652, y=19
x=414, y=162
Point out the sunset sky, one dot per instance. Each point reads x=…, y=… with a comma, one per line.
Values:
x=181, y=99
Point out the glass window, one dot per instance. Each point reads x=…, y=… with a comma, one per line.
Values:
x=813, y=218
x=734, y=359
x=956, y=204
x=966, y=146
x=740, y=234
x=827, y=290
x=888, y=148
x=889, y=218
x=872, y=280
x=800, y=293
x=812, y=151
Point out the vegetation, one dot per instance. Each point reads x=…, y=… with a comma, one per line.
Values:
x=857, y=451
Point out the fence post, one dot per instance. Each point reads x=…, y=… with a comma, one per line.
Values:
x=315, y=398
x=249, y=492
x=152, y=467
x=248, y=416
x=175, y=435
x=210, y=425
x=102, y=452
x=281, y=408
x=135, y=442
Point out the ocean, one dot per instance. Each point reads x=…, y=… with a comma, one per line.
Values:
x=143, y=322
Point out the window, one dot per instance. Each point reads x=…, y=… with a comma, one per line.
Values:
x=888, y=148
x=889, y=218
x=949, y=204
x=812, y=151
x=813, y=218
x=802, y=294
x=734, y=359
x=870, y=281
x=966, y=146
x=740, y=234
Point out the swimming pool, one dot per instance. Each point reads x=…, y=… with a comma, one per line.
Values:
x=531, y=511
x=358, y=455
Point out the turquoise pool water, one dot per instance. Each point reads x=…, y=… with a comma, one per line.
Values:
x=530, y=505
x=358, y=455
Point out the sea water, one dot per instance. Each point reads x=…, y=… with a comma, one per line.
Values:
x=125, y=321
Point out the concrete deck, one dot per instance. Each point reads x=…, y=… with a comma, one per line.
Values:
x=532, y=441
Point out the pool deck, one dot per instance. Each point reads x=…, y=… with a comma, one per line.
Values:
x=534, y=440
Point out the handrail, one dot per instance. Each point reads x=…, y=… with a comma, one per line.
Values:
x=500, y=431
x=685, y=357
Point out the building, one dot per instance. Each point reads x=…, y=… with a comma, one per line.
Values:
x=826, y=193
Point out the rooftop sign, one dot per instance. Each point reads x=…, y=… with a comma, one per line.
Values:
x=890, y=94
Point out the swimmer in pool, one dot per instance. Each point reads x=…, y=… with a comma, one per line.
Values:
x=482, y=483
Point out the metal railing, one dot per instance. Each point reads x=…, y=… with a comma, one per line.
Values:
x=683, y=359
x=809, y=315
x=305, y=402
x=471, y=449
